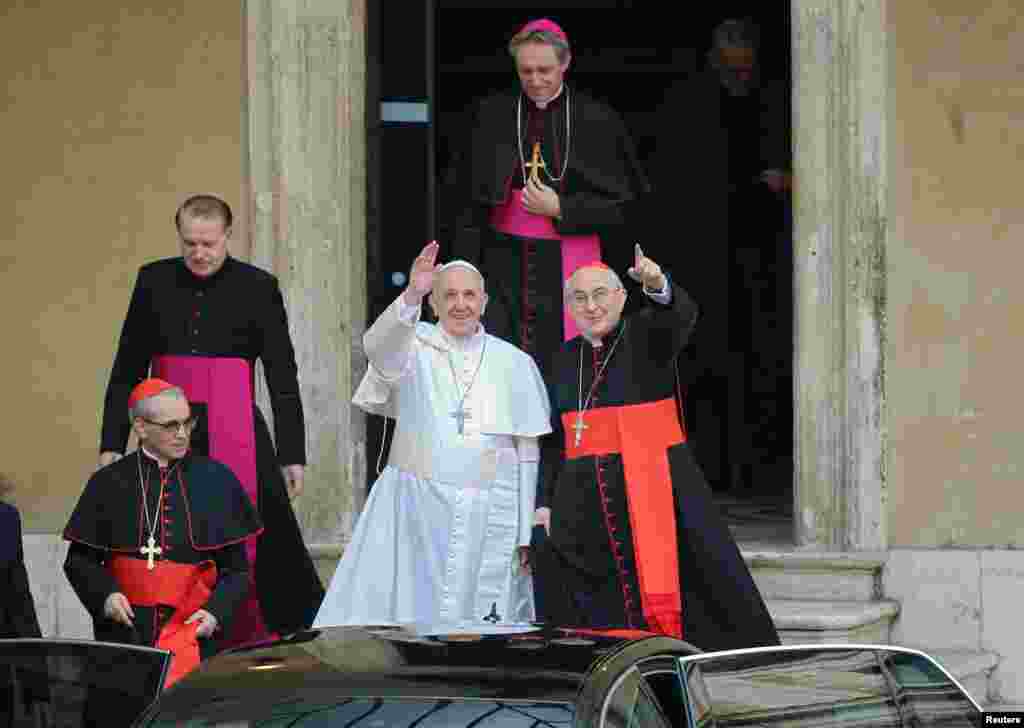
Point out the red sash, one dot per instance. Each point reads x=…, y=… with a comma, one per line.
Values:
x=511, y=217
x=642, y=433
x=186, y=587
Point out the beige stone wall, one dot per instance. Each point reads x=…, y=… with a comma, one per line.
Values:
x=114, y=112
x=956, y=305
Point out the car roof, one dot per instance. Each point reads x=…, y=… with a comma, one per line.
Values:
x=320, y=666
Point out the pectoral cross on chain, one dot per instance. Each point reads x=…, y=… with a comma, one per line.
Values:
x=461, y=415
x=579, y=426
x=149, y=551
x=537, y=163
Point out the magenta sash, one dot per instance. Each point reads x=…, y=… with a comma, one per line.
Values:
x=225, y=386
x=511, y=218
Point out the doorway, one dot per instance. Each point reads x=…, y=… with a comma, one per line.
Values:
x=626, y=53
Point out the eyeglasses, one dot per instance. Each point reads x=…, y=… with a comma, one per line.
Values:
x=172, y=427
x=599, y=296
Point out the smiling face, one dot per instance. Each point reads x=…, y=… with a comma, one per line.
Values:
x=204, y=244
x=458, y=299
x=595, y=301
x=540, y=72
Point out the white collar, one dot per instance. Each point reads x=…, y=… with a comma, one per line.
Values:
x=544, y=104
x=153, y=457
x=441, y=339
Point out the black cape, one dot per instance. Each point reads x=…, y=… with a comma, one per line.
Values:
x=721, y=605
x=206, y=516
x=603, y=181
x=237, y=312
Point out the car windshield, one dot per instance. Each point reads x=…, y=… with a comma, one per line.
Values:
x=387, y=713
x=69, y=683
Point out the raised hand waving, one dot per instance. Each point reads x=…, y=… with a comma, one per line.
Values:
x=646, y=271
x=421, y=276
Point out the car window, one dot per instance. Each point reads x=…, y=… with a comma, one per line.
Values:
x=74, y=683
x=632, y=703
x=926, y=695
x=840, y=689
x=386, y=713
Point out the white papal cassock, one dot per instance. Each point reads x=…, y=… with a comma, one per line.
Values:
x=437, y=541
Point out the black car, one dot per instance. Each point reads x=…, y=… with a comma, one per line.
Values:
x=535, y=678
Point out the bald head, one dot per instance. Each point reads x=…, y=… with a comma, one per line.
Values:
x=592, y=273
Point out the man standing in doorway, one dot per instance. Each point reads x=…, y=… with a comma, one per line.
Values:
x=201, y=321
x=542, y=185
x=724, y=155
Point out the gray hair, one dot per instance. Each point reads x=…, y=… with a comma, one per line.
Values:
x=144, y=408
x=546, y=37
x=614, y=282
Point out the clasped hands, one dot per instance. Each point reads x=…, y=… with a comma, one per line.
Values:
x=539, y=199
x=119, y=609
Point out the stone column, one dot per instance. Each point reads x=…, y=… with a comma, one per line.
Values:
x=306, y=162
x=840, y=112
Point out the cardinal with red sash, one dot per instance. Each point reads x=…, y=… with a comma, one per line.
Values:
x=542, y=183
x=157, y=553
x=201, y=321
x=627, y=535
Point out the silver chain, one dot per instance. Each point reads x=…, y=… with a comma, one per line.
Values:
x=151, y=526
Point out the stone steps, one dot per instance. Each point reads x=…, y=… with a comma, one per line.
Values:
x=816, y=621
x=838, y=597
x=830, y=577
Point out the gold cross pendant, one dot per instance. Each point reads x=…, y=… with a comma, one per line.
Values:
x=536, y=163
x=149, y=551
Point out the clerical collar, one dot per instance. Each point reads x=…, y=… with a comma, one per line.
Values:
x=544, y=104
x=154, y=458
x=598, y=343
x=205, y=281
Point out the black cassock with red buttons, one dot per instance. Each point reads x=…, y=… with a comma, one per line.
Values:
x=196, y=511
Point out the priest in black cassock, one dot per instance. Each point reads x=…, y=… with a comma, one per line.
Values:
x=157, y=552
x=201, y=321
x=542, y=186
x=629, y=536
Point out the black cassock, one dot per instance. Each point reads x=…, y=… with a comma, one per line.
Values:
x=612, y=510
x=601, y=181
x=236, y=314
x=205, y=516
x=17, y=608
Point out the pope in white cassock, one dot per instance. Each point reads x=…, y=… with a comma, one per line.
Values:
x=444, y=537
